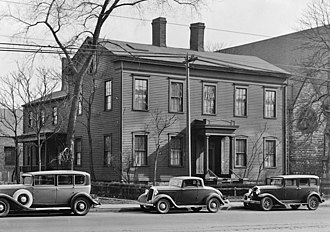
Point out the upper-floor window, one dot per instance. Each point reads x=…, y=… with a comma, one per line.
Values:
x=54, y=116
x=30, y=120
x=77, y=151
x=176, y=96
x=80, y=104
x=240, y=101
x=92, y=66
x=42, y=117
x=140, y=97
x=140, y=150
x=241, y=152
x=108, y=95
x=176, y=151
x=209, y=99
x=270, y=103
x=270, y=153
x=107, y=150
x=9, y=155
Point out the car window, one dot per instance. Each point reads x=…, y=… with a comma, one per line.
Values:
x=44, y=180
x=303, y=182
x=27, y=180
x=65, y=180
x=290, y=182
x=276, y=181
x=175, y=182
x=313, y=182
x=79, y=180
x=190, y=183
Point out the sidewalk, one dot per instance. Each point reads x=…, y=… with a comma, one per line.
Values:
x=121, y=205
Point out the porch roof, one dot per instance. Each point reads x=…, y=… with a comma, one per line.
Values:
x=207, y=128
x=31, y=136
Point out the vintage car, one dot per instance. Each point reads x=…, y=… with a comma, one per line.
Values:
x=182, y=192
x=49, y=190
x=287, y=191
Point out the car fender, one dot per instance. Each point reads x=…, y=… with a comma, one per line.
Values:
x=142, y=198
x=314, y=194
x=222, y=201
x=262, y=195
x=86, y=195
x=160, y=196
x=13, y=203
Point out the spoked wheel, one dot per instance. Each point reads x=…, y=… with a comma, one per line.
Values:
x=196, y=209
x=266, y=203
x=213, y=205
x=313, y=203
x=81, y=206
x=4, y=207
x=163, y=206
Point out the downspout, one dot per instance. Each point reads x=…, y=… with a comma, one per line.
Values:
x=285, y=130
x=121, y=119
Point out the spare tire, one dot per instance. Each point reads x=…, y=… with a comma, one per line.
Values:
x=24, y=197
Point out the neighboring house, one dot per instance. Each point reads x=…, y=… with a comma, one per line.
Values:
x=237, y=111
x=7, y=147
x=296, y=53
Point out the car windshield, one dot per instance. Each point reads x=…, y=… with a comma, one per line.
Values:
x=276, y=181
x=175, y=182
x=27, y=180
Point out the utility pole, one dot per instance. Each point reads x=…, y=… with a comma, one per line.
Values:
x=188, y=60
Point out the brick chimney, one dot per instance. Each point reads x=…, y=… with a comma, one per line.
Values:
x=159, y=32
x=197, y=36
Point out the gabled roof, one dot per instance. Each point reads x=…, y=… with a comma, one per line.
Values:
x=177, y=55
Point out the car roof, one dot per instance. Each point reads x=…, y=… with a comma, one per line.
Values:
x=187, y=177
x=295, y=176
x=56, y=172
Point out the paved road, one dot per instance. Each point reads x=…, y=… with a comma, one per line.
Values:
x=235, y=219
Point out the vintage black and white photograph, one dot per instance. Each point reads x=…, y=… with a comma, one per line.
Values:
x=164, y=115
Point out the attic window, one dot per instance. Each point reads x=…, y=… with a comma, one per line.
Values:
x=92, y=66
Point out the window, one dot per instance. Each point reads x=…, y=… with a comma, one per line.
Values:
x=65, y=180
x=54, y=116
x=9, y=155
x=176, y=96
x=270, y=154
x=140, y=150
x=107, y=150
x=44, y=180
x=30, y=120
x=79, y=180
x=270, y=103
x=241, y=148
x=108, y=95
x=80, y=106
x=77, y=149
x=241, y=101
x=42, y=117
x=290, y=182
x=209, y=99
x=140, y=97
x=303, y=182
x=176, y=155
x=92, y=66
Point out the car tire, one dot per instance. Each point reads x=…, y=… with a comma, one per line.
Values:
x=163, y=206
x=196, y=209
x=213, y=205
x=81, y=206
x=313, y=203
x=24, y=197
x=294, y=207
x=4, y=207
x=266, y=203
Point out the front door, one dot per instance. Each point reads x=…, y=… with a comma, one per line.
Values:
x=214, y=158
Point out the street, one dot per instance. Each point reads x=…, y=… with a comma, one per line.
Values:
x=235, y=219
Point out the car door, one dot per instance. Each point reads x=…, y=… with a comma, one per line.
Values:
x=44, y=190
x=304, y=189
x=64, y=189
x=291, y=190
x=188, y=192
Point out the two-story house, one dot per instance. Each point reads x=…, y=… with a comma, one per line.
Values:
x=229, y=111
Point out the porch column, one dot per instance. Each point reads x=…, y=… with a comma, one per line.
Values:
x=231, y=155
x=206, y=152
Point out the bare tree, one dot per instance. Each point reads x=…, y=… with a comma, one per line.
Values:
x=157, y=126
x=62, y=17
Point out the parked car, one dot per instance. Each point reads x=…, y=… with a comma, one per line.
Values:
x=286, y=190
x=182, y=192
x=49, y=190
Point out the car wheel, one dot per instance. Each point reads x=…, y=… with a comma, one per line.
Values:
x=313, y=203
x=196, y=209
x=213, y=205
x=81, y=206
x=163, y=206
x=266, y=203
x=4, y=207
x=294, y=207
x=24, y=197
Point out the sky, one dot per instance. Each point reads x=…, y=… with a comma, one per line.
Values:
x=228, y=23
